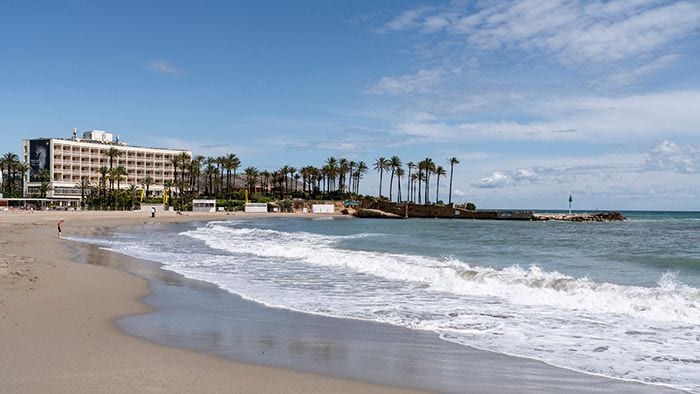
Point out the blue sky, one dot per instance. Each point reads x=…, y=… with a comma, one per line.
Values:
x=538, y=99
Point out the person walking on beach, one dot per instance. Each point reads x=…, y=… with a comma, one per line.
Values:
x=153, y=212
x=60, y=228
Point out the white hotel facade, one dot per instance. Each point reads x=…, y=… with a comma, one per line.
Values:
x=70, y=161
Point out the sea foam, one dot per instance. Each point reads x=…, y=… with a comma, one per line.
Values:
x=647, y=334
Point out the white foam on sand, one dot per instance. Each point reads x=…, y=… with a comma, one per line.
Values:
x=647, y=334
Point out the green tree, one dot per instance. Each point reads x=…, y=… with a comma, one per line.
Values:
x=84, y=187
x=399, y=174
x=102, y=196
x=394, y=164
x=251, y=174
x=118, y=175
x=452, y=161
x=428, y=168
x=9, y=160
x=112, y=153
x=147, y=182
x=381, y=165
x=22, y=168
x=439, y=171
x=410, y=178
x=210, y=172
x=44, y=177
x=132, y=191
x=360, y=172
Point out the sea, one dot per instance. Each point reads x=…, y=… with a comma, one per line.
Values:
x=615, y=299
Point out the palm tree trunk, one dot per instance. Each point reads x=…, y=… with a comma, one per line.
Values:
x=449, y=198
x=437, y=189
x=391, y=184
x=420, y=200
x=427, y=186
x=398, y=194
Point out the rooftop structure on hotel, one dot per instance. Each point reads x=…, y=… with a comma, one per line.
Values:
x=65, y=163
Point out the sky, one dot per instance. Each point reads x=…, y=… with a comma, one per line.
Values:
x=537, y=99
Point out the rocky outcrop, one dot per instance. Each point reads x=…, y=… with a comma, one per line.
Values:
x=375, y=213
x=582, y=217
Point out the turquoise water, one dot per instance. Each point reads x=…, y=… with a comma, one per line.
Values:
x=618, y=299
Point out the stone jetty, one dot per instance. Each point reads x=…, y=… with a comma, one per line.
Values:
x=581, y=217
x=373, y=208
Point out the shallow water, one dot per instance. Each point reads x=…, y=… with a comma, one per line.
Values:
x=614, y=299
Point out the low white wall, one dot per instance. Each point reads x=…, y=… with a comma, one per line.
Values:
x=323, y=208
x=256, y=208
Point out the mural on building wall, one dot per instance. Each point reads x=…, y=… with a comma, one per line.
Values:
x=39, y=159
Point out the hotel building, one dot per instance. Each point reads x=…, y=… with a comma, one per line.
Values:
x=67, y=162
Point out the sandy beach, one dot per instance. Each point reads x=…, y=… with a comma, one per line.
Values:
x=57, y=332
x=66, y=326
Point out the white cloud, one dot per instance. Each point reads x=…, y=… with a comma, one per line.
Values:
x=574, y=31
x=163, y=67
x=419, y=82
x=501, y=179
x=669, y=156
x=629, y=77
x=495, y=180
x=598, y=119
x=407, y=19
x=458, y=193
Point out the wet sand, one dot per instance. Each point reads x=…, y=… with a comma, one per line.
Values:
x=57, y=331
x=82, y=327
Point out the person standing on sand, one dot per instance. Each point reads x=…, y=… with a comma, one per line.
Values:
x=60, y=228
x=153, y=212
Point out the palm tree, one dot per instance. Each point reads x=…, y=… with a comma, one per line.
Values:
x=394, y=164
x=428, y=167
x=452, y=161
x=118, y=174
x=10, y=160
x=196, y=171
x=112, y=153
x=297, y=176
x=292, y=172
x=380, y=165
x=251, y=174
x=184, y=161
x=44, y=176
x=332, y=171
x=131, y=191
x=399, y=173
x=103, y=181
x=147, y=182
x=350, y=176
x=84, y=186
x=359, y=174
x=210, y=171
x=411, y=166
x=414, y=179
x=439, y=171
x=343, y=168
x=220, y=166
x=232, y=163
x=22, y=168
x=265, y=181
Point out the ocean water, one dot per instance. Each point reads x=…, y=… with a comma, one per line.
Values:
x=618, y=299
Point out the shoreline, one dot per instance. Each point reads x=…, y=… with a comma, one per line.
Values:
x=57, y=330
x=466, y=367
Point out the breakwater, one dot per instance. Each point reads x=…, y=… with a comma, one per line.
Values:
x=385, y=209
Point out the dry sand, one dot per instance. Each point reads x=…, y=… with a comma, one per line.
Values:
x=56, y=322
